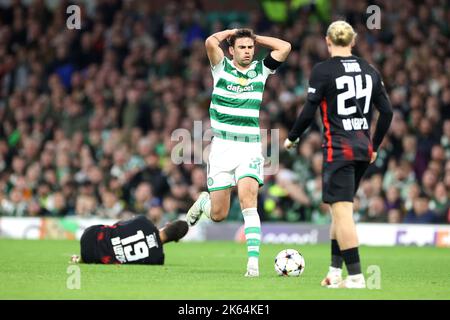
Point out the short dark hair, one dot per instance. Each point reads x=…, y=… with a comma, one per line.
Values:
x=241, y=33
x=176, y=230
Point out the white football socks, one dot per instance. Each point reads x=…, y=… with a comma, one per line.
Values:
x=252, y=226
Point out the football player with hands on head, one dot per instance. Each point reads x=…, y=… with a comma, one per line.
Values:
x=236, y=151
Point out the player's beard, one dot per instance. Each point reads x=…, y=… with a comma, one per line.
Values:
x=245, y=63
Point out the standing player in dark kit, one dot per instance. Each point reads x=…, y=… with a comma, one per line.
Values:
x=345, y=86
x=135, y=241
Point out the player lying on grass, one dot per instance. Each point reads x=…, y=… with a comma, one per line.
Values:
x=135, y=241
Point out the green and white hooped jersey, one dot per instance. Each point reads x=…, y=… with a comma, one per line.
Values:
x=236, y=99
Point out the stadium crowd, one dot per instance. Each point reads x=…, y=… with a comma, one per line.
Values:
x=87, y=115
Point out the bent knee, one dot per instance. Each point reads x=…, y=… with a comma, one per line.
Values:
x=219, y=215
x=217, y=218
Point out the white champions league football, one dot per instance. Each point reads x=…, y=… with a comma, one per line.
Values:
x=290, y=263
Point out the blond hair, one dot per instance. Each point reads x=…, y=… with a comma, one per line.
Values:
x=341, y=33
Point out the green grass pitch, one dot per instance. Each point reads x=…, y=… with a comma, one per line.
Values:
x=215, y=270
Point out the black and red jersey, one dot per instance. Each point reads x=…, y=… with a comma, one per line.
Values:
x=133, y=241
x=345, y=89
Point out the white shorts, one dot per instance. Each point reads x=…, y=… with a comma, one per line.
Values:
x=229, y=161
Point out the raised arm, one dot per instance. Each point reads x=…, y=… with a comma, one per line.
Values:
x=212, y=44
x=280, y=48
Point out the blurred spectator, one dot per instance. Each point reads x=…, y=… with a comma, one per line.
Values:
x=395, y=216
x=440, y=203
x=156, y=215
x=143, y=199
x=420, y=212
x=377, y=210
x=14, y=205
x=429, y=182
x=413, y=193
x=86, y=206
x=111, y=206
x=170, y=207
x=400, y=175
x=87, y=115
x=56, y=205
x=393, y=200
x=153, y=174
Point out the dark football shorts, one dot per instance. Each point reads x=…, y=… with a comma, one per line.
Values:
x=341, y=180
